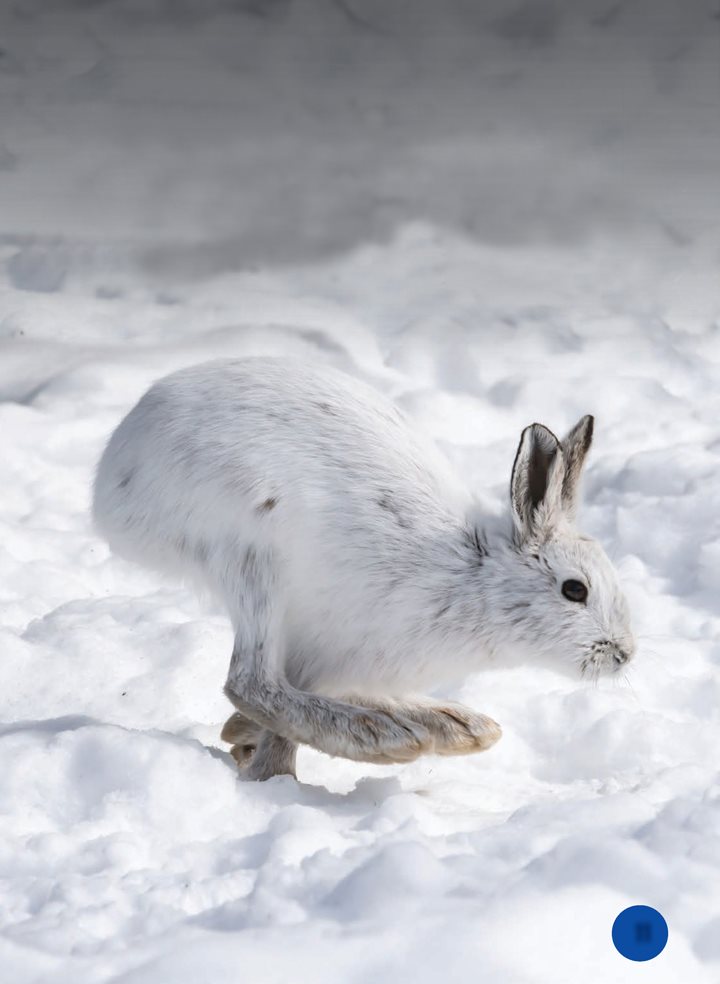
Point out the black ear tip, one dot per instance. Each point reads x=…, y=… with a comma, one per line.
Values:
x=542, y=435
x=581, y=434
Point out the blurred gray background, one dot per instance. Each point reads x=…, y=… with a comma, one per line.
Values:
x=191, y=138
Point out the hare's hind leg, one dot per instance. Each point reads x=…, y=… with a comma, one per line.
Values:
x=454, y=728
x=256, y=684
x=331, y=726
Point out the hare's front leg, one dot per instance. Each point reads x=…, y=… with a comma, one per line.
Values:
x=260, y=753
x=273, y=756
x=257, y=686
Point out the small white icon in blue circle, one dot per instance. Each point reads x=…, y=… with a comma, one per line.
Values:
x=640, y=933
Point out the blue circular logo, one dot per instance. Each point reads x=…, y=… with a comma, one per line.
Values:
x=639, y=933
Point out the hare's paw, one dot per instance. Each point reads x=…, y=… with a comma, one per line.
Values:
x=273, y=756
x=445, y=728
x=259, y=753
x=460, y=731
x=384, y=737
x=243, y=734
x=240, y=730
x=243, y=754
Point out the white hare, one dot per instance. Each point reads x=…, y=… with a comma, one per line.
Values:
x=355, y=566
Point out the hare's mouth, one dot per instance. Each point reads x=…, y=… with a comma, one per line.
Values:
x=603, y=657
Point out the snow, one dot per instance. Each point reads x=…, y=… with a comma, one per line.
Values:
x=493, y=218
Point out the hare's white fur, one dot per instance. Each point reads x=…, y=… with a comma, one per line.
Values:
x=351, y=559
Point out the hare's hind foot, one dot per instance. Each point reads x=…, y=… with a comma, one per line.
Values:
x=454, y=729
x=458, y=730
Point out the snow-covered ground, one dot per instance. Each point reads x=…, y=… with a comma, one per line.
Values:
x=494, y=216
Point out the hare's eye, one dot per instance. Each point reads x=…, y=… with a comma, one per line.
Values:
x=574, y=590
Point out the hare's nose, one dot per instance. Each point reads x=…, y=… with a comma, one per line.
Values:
x=623, y=655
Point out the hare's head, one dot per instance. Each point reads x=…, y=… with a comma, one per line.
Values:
x=567, y=603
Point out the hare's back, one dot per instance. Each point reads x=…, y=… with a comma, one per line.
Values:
x=221, y=448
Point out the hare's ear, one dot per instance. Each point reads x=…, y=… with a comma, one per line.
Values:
x=536, y=483
x=575, y=447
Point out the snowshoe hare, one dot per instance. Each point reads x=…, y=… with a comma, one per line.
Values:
x=354, y=565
